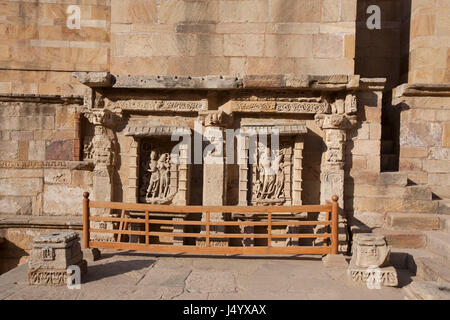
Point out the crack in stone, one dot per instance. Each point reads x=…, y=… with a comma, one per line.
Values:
x=184, y=285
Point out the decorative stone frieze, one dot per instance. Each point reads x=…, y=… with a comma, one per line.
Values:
x=52, y=255
x=158, y=105
x=311, y=106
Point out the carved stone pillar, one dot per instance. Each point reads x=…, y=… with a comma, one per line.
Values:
x=104, y=145
x=332, y=175
x=243, y=172
x=298, y=168
x=214, y=171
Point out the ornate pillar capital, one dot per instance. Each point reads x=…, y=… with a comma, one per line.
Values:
x=335, y=121
x=103, y=117
x=215, y=118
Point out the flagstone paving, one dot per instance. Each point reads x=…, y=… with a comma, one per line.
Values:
x=133, y=275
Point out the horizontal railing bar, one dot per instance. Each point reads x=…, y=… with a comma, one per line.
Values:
x=113, y=219
x=201, y=209
x=115, y=231
x=210, y=250
x=300, y=223
x=222, y=223
x=217, y=235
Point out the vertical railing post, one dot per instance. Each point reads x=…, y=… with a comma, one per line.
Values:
x=147, y=227
x=207, y=229
x=86, y=213
x=269, y=229
x=334, y=225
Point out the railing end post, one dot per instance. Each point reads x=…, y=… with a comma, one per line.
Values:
x=334, y=225
x=86, y=214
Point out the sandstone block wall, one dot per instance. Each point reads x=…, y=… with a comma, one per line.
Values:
x=425, y=142
x=39, y=150
x=172, y=37
x=40, y=51
x=430, y=42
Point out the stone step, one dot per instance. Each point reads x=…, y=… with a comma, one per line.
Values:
x=418, y=193
x=427, y=290
x=403, y=239
x=443, y=206
x=412, y=221
x=445, y=223
x=432, y=269
x=404, y=258
x=393, y=178
x=439, y=243
x=422, y=263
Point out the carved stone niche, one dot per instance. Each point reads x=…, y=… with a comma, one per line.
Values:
x=160, y=177
x=271, y=175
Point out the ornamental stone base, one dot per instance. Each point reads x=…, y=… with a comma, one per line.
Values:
x=52, y=255
x=370, y=261
x=373, y=277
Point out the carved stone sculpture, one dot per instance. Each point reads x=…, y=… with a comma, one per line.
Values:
x=50, y=257
x=269, y=185
x=157, y=171
x=370, y=260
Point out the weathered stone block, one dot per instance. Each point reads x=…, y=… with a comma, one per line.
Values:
x=244, y=45
x=62, y=200
x=405, y=221
x=59, y=150
x=295, y=11
x=9, y=150
x=243, y=11
x=176, y=11
x=52, y=255
x=36, y=150
x=15, y=205
x=446, y=135
x=421, y=135
x=296, y=46
x=328, y=46
x=57, y=176
x=20, y=187
x=370, y=261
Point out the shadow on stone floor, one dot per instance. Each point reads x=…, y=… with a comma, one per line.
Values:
x=115, y=268
x=404, y=277
x=106, y=255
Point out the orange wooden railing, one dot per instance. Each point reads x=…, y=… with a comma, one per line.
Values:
x=328, y=208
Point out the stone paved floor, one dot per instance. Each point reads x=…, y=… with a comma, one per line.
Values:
x=133, y=275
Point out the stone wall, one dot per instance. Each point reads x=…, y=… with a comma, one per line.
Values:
x=172, y=37
x=429, y=44
x=40, y=51
x=40, y=171
x=425, y=136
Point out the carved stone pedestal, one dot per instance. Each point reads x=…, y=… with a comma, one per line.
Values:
x=370, y=261
x=50, y=257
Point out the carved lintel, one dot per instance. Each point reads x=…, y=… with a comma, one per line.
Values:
x=158, y=105
x=308, y=105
